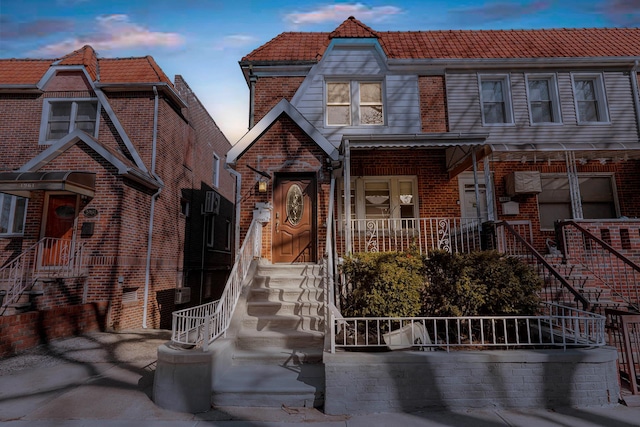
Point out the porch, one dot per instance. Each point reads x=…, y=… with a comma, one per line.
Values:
x=48, y=260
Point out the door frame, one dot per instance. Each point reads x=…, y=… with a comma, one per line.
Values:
x=313, y=176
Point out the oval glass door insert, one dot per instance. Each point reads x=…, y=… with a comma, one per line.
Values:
x=295, y=204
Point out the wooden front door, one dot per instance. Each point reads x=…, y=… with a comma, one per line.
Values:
x=61, y=212
x=294, y=221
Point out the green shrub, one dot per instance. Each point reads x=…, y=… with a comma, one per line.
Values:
x=383, y=284
x=406, y=284
x=479, y=283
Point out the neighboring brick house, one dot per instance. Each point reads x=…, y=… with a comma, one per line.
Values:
x=113, y=187
x=432, y=133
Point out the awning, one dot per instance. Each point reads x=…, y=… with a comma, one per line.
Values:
x=23, y=183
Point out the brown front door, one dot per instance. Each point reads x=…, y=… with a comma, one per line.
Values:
x=61, y=212
x=294, y=230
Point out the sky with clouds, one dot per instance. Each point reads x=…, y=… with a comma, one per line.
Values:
x=203, y=40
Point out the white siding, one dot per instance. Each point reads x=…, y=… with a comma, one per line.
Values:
x=463, y=103
x=401, y=97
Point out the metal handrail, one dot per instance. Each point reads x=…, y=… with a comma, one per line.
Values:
x=64, y=259
x=622, y=279
x=519, y=246
x=559, y=326
x=201, y=325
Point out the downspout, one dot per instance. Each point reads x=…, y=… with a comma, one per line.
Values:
x=147, y=274
x=634, y=86
x=347, y=196
x=252, y=91
x=238, y=177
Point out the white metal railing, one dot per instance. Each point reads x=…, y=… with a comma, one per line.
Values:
x=49, y=257
x=201, y=325
x=559, y=326
x=423, y=234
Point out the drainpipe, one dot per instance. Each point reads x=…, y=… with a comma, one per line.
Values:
x=634, y=86
x=252, y=91
x=347, y=196
x=147, y=275
x=476, y=188
x=238, y=177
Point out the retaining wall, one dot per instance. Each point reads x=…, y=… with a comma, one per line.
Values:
x=359, y=383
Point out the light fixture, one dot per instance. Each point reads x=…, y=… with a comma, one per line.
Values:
x=262, y=186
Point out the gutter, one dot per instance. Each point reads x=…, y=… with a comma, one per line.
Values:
x=147, y=274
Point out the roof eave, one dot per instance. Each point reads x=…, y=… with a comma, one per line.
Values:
x=464, y=63
x=22, y=88
x=129, y=87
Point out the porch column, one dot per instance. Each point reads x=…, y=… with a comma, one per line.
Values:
x=347, y=196
x=574, y=185
x=488, y=184
x=475, y=184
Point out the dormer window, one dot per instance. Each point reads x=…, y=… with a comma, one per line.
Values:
x=63, y=116
x=368, y=110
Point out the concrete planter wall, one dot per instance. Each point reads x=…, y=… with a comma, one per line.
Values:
x=358, y=382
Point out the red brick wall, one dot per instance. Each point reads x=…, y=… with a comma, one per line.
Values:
x=23, y=331
x=118, y=246
x=283, y=148
x=270, y=90
x=433, y=103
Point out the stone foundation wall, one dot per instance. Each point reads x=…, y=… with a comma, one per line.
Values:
x=359, y=383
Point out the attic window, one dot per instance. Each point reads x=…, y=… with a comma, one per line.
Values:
x=354, y=103
x=61, y=117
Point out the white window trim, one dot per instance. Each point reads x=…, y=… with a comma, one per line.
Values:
x=354, y=103
x=610, y=175
x=553, y=94
x=508, y=107
x=357, y=185
x=12, y=212
x=601, y=97
x=46, y=109
x=216, y=170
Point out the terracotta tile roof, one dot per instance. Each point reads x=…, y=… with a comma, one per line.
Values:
x=105, y=70
x=461, y=44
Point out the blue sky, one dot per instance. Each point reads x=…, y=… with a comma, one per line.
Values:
x=203, y=40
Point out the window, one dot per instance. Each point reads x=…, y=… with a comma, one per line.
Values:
x=216, y=170
x=543, y=99
x=368, y=110
x=383, y=197
x=590, y=98
x=13, y=212
x=596, y=192
x=495, y=100
x=64, y=116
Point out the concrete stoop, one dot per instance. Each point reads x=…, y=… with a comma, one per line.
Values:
x=276, y=356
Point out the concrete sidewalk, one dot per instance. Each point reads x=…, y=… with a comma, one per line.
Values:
x=105, y=379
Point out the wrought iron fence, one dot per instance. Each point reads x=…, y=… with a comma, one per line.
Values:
x=556, y=326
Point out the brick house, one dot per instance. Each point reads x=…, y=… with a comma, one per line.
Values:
x=432, y=133
x=113, y=192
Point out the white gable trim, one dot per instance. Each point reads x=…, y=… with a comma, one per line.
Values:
x=73, y=138
x=51, y=72
x=261, y=127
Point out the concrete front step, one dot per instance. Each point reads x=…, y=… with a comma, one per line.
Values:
x=300, y=308
x=283, y=322
x=278, y=356
x=287, y=282
x=283, y=338
x=271, y=386
x=266, y=269
x=286, y=295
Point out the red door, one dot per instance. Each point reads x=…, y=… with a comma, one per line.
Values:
x=60, y=216
x=294, y=231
